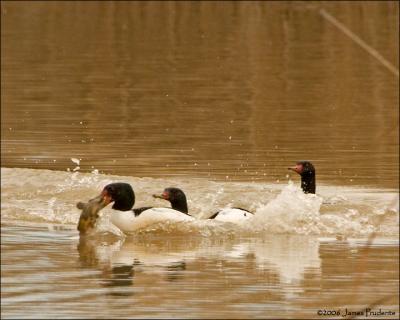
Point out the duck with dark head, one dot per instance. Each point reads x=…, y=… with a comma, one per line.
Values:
x=122, y=196
x=307, y=173
x=176, y=197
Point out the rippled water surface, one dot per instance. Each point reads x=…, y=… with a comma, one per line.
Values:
x=275, y=276
x=209, y=89
x=217, y=98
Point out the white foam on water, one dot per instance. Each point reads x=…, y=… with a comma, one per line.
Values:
x=32, y=195
x=291, y=211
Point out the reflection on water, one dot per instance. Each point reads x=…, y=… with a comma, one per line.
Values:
x=289, y=276
x=230, y=90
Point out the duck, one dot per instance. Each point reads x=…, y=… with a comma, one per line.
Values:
x=122, y=196
x=306, y=171
x=178, y=201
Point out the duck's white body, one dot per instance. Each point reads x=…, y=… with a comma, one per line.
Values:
x=127, y=222
x=233, y=215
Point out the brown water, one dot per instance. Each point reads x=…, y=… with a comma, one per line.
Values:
x=217, y=98
x=201, y=89
x=159, y=277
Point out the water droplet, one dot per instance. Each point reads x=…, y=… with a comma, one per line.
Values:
x=75, y=160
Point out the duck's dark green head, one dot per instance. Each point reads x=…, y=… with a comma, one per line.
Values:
x=303, y=167
x=121, y=194
x=176, y=197
x=307, y=172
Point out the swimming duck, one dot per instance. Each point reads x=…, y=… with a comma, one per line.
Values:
x=177, y=198
x=123, y=197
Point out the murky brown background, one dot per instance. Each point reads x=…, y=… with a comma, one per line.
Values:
x=223, y=90
x=217, y=90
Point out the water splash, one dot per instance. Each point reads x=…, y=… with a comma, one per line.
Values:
x=50, y=196
x=291, y=211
